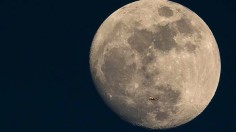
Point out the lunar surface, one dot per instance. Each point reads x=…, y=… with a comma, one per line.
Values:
x=155, y=63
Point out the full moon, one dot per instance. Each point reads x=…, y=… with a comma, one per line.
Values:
x=155, y=63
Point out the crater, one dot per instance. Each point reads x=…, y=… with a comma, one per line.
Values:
x=164, y=38
x=140, y=40
x=165, y=11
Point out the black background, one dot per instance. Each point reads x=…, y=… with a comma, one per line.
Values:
x=45, y=81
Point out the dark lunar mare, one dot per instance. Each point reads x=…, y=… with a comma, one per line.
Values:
x=140, y=40
x=165, y=11
x=164, y=38
x=184, y=26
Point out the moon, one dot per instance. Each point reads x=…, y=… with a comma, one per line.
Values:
x=155, y=63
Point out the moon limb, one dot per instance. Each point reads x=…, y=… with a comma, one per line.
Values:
x=127, y=71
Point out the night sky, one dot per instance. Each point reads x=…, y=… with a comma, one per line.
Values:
x=45, y=80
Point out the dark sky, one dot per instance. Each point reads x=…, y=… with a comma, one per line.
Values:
x=45, y=81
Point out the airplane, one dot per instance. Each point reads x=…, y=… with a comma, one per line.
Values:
x=151, y=98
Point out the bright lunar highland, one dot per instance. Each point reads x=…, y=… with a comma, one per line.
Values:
x=155, y=63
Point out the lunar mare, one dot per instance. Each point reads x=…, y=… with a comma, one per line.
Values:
x=155, y=63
